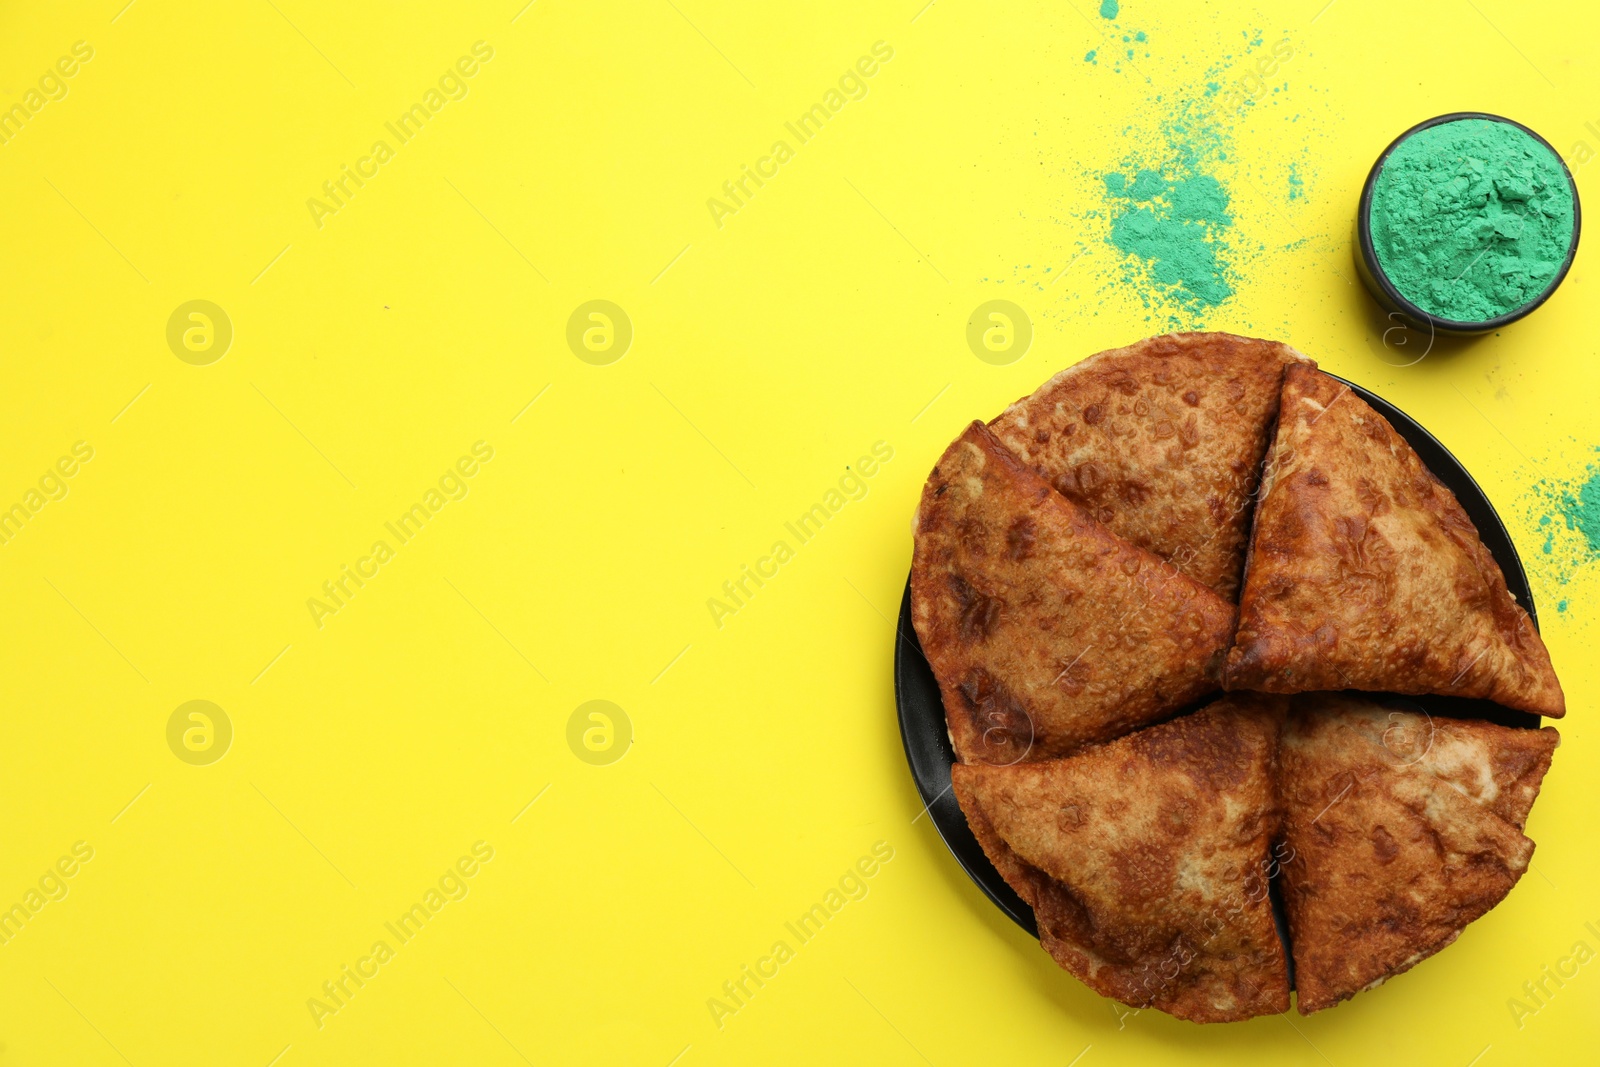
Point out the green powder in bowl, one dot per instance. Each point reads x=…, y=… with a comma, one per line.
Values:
x=1472, y=219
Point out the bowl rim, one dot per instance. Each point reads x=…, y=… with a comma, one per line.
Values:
x=1381, y=278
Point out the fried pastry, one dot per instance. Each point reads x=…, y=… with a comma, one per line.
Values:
x=1161, y=441
x=1045, y=630
x=1400, y=830
x=1365, y=573
x=1146, y=860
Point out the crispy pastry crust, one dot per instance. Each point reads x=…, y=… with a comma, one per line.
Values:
x=1146, y=860
x=1365, y=573
x=1047, y=631
x=1401, y=829
x=1161, y=441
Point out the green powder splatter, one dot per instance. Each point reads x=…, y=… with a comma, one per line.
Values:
x=1568, y=520
x=1171, y=218
x=1174, y=225
x=1167, y=227
x=1472, y=219
x=1582, y=511
x=1296, y=185
x=1108, y=9
x=1090, y=57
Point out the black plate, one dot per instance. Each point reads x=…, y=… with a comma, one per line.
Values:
x=927, y=741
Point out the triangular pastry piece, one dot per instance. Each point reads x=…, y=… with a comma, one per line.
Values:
x=1146, y=860
x=1499, y=768
x=1161, y=441
x=1045, y=630
x=1399, y=830
x=1365, y=573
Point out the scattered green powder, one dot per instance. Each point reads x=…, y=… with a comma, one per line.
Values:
x=1581, y=509
x=1173, y=225
x=1568, y=513
x=1171, y=219
x=1296, y=185
x=1090, y=57
x=1472, y=219
x=1165, y=211
x=1108, y=9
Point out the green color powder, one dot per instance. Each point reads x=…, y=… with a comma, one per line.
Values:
x=1165, y=209
x=1581, y=509
x=1173, y=224
x=1108, y=9
x=1567, y=512
x=1472, y=219
x=1090, y=57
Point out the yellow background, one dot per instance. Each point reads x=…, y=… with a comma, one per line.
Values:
x=768, y=354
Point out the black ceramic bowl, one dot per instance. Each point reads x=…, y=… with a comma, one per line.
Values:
x=1384, y=291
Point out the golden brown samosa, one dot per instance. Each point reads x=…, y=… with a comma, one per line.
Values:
x=1365, y=573
x=1045, y=630
x=1146, y=860
x=1161, y=441
x=1400, y=830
